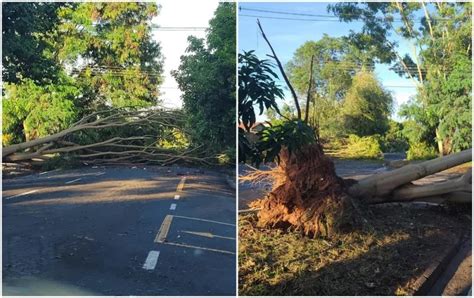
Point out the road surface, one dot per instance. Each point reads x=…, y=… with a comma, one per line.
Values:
x=119, y=231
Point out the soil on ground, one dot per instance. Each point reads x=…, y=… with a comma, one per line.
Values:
x=462, y=278
x=384, y=259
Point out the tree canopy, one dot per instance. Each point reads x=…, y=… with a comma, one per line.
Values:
x=367, y=106
x=62, y=61
x=206, y=77
x=26, y=50
x=108, y=48
x=440, y=62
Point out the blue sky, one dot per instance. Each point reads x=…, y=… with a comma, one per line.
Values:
x=287, y=35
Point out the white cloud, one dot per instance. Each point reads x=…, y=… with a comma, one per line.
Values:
x=174, y=43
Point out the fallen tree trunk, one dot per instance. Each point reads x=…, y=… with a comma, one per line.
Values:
x=410, y=192
x=382, y=184
x=121, y=144
x=452, y=197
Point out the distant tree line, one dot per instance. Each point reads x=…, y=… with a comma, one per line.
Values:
x=348, y=98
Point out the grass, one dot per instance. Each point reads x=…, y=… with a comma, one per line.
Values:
x=383, y=260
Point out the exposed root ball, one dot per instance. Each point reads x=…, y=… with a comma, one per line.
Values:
x=309, y=198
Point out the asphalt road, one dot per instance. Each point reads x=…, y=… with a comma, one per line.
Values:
x=102, y=231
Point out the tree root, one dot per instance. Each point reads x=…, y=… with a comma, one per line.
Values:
x=307, y=196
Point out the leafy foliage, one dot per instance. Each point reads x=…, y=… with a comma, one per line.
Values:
x=421, y=150
x=109, y=48
x=291, y=134
x=256, y=87
x=449, y=98
x=367, y=106
x=334, y=64
x=64, y=60
x=367, y=147
x=26, y=50
x=31, y=111
x=441, y=64
x=173, y=139
x=207, y=78
x=394, y=140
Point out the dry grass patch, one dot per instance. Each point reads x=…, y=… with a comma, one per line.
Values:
x=383, y=260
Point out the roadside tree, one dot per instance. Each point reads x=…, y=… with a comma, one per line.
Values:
x=207, y=78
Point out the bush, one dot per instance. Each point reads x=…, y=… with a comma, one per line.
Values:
x=421, y=150
x=363, y=147
x=394, y=140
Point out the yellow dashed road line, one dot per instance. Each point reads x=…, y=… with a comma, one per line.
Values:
x=181, y=184
x=164, y=229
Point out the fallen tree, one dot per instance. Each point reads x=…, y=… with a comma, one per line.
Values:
x=112, y=137
x=383, y=184
x=308, y=196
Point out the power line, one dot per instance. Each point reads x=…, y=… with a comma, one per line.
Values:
x=289, y=19
x=297, y=19
x=287, y=13
x=159, y=28
x=324, y=15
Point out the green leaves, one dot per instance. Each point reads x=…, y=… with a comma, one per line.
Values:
x=206, y=76
x=31, y=111
x=106, y=48
x=367, y=106
x=26, y=47
x=441, y=33
x=292, y=134
x=120, y=64
x=256, y=88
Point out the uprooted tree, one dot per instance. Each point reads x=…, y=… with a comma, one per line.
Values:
x=307, y=194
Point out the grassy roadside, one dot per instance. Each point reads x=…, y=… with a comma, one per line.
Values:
x=383, y=261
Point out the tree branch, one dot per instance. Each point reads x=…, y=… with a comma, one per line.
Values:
x=280, y=67
x=308, y=98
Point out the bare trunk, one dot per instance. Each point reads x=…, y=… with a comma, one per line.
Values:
x=282, y=70
x=33, y=143
x=412, y=192
x=383, y=184
x=439, y=141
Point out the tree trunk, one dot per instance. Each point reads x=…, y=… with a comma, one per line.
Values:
x=33, y=143
x=439, y=141
x=412, y=192
x=383, y=184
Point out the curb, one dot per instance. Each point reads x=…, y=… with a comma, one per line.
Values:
x=428, y=278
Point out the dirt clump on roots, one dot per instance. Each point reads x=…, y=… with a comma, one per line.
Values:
x=307, y=195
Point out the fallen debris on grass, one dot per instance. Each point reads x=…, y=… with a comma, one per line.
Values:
x=385, y=260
